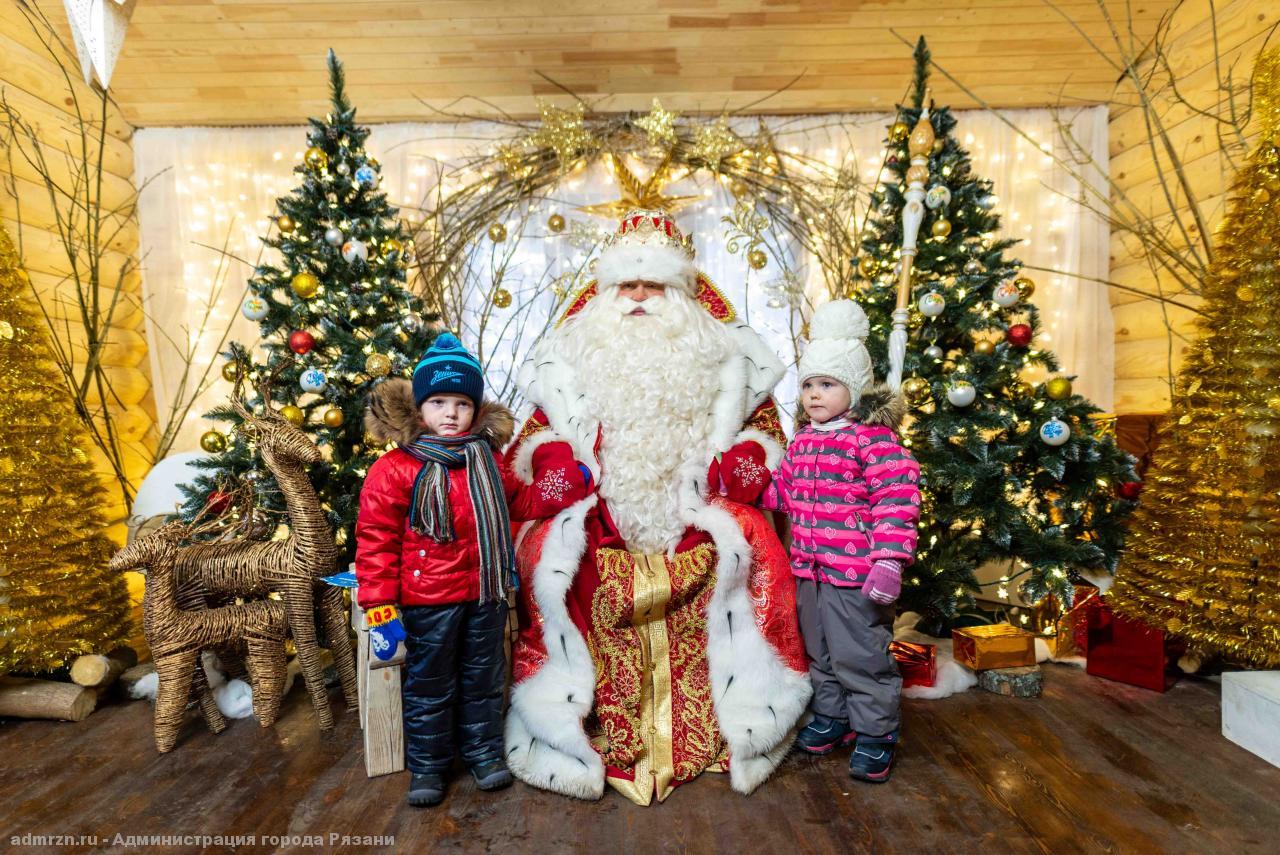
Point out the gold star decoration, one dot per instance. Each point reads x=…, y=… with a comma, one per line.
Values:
x=714, y=142
x=563, y=131
x=659, y=126
x=635, y=194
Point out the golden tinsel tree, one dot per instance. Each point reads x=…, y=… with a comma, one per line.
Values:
x=57, y=597
x=1204, y=555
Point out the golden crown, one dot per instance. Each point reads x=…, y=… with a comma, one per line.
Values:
x=645, y=227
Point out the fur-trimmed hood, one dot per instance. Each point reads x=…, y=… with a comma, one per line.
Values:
x=392, y=416
x=879, y=406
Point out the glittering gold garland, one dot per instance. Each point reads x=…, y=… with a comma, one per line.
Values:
x=57, y=597
x=796, y=195
x=1203, y=559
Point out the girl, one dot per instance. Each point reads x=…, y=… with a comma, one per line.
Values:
x=852, y=493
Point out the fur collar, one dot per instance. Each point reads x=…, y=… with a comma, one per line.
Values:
x=392, y=416
x=879, y=406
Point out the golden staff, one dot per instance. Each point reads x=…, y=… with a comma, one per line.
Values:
x=919, y=146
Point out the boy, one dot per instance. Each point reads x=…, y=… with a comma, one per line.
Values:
x=434, y=557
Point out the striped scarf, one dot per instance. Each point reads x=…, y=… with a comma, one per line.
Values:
x=430, y=515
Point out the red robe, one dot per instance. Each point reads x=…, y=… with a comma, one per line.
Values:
x=649, y=669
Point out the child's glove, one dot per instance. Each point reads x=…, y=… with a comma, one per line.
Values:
x=385, y=631
x=884, y=582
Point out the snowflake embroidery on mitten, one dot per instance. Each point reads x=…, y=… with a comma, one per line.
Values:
x=554, y=486
x=750, y=473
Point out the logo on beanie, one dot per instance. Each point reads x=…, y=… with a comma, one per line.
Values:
x=446, y=373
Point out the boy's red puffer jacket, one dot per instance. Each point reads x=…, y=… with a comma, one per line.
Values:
x=396, y=565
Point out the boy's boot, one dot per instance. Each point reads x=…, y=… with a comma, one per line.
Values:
x=493, y=775
x=823, y=734
x=426, y=790
x=872, y=758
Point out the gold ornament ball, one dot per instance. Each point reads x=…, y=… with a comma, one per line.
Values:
x=391, y=249
x=377, y=365
x=1021, y=390
x=757, y=259
x=984, y=347
x=333, y=417
x=938, y=145
x=231, y=371
x=867, y=267
x=555, y=223
x=213, y=442
x=1058, y=389
x=293, y=415
x=316, y=158
x=899, y=132
x=305, y=285
x=1025, y=286
x=1246, y=294
x=738, y=188
x=916, y=389
x=497, y=232
x=502, y=298
x=941, y=227
x=285, y=223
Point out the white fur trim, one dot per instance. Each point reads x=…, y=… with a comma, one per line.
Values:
x=545, y=743
x=773, y=449
x=623, y=262
x=522, y=464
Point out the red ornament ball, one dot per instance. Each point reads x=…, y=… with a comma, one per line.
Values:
x=218, y=502
x=301, y=341
x=1130, y=490
x=1019, y=335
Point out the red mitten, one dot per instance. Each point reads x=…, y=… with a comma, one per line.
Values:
x=557, y=476
x=742, y=474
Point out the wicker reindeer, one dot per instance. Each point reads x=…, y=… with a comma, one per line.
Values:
x=292, y=567
x=177, y=635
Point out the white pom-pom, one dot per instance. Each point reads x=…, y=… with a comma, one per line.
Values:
x=839, y=319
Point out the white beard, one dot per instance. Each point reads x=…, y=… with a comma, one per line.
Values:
x=651, y=381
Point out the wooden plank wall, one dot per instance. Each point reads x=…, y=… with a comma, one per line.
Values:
x=34, y=85
x=1147, y=352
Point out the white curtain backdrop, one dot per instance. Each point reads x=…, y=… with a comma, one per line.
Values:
x=207, y=187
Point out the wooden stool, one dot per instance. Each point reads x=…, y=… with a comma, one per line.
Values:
x=381, y=715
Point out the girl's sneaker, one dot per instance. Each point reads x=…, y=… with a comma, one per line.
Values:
x=872, y=757
x=824, y=734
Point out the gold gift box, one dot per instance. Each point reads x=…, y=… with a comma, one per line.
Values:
x=998, y=645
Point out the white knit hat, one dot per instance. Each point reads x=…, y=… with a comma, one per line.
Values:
x=836, y=349
x=647, y=245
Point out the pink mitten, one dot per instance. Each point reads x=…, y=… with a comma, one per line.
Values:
x=884, y=582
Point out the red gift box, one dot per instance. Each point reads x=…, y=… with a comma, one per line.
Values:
x=1128, y=651
x=917, y=663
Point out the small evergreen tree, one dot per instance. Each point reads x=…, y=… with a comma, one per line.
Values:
x=338, y=305
x=1012, y=472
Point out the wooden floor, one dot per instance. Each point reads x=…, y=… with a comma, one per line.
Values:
x=1092, y=766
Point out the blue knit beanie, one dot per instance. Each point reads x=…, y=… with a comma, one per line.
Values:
x=448, y=367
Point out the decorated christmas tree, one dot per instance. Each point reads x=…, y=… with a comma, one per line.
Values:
x=1014, y=472
x=336, y=307
x=57, y=597
x=1204, y=559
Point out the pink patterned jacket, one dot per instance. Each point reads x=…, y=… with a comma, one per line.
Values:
x=852, y=494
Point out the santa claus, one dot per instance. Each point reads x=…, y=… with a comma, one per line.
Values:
x=658, y=635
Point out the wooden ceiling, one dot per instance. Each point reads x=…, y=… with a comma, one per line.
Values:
x=231, y=62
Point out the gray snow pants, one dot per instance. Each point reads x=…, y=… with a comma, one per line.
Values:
x=846, y=637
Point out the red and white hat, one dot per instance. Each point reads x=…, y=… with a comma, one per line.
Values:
x=647, y=245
